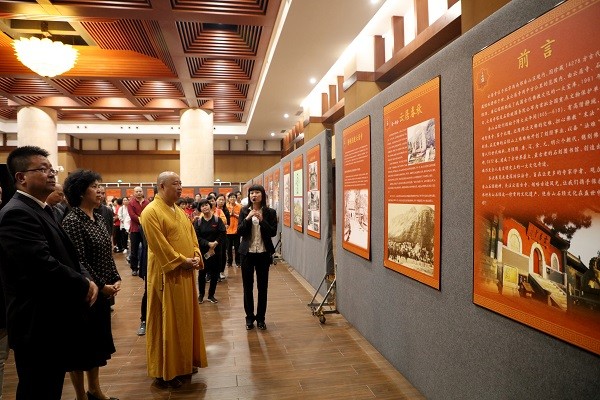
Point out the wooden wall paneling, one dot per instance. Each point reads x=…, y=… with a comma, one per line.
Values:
x=340, y=87
x=332, y=96
x=421, y=15
x=398, y=33
x=378, y=51
x=324, y=103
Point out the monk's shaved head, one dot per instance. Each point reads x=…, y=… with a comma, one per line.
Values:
x=164, y=176
x=169, y=187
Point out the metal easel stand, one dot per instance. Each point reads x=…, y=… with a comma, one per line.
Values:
x=318, y=309
x=277, y=254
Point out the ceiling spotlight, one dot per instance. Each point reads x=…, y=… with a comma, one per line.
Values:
x=286, y=115
x=272, y=133
x=313, y=81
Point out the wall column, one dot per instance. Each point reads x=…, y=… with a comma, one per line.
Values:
x=196, y=155
x=36, y=126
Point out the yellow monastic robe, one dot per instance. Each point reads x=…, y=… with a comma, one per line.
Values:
x=174, y=337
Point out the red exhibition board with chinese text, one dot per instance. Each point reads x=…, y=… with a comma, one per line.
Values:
x=276, y=189
x=187, y=192
x=537, y=174
x=112, y=193
x=356, y=164
x=287, y=206
x=269, y=189
x=412, y=167
x=298, y=197
x=313, y=200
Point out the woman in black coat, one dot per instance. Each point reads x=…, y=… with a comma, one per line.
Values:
x=91, y=235
x=210, y=231
x=257, y=225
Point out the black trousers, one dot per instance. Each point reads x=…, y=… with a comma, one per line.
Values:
x=233, y=245
x=135, y=253
x=258, y=263
x=38, y=379
x=211, y=267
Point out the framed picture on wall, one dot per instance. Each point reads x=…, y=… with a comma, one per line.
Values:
x=287, y=202
x=298, y=188
x=412, y=170
x=356, y=172
x=313, y=194
x=537, y=175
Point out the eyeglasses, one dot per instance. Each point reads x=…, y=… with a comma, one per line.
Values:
x=43, y=170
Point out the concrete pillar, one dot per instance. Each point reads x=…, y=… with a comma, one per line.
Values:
x=36, y=126
x=196, y=148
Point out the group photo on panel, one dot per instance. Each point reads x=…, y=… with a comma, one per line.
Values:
x=60, y=281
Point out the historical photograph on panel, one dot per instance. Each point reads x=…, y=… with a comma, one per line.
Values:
x=548, y=261
x=313, y=176
x=411, y=236
x=298, y=211
x=356, y=220
x=313, y=221
x=313, y=200
x=286, y=192
x=276, y=191
x=270, y=193
x=421, y=142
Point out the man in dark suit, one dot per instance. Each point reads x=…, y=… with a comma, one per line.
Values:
x=47, y=290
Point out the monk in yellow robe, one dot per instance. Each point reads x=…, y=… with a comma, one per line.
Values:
x=174, y=337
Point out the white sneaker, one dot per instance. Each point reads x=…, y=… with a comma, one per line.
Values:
x=124, y=251
x=222, y=275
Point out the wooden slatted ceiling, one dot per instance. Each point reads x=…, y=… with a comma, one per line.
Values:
x=221, y=90
x=143, y=37
x=235, y=7
x=104, y=3
x=215, y=69
x=154, y=89
x=134, y=55
x=219, y=39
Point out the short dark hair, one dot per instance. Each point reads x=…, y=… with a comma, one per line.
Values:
x=230, y=195
x=18, y=159
x=77, y=183
x=202, y=202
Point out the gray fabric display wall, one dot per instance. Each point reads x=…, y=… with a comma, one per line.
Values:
x=311, y=257
x=440, y=341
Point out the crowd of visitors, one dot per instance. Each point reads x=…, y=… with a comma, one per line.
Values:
x=57, y=269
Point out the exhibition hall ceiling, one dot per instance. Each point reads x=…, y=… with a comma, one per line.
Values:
x=143, y=61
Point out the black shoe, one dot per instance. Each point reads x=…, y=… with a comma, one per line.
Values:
x=142, y=329
x=134, y=272
x=213, y=300
x=249, y=327
x=262, y=326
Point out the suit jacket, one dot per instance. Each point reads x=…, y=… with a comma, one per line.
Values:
x=44, y=284
x=268, y=229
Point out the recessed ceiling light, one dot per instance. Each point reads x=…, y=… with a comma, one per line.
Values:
x=313, y=80
x=272, y=133
x=286, y=115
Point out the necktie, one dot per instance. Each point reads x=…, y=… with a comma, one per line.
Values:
x=48, y=211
